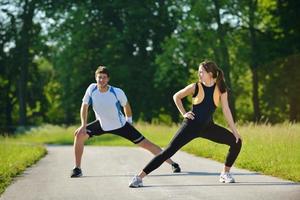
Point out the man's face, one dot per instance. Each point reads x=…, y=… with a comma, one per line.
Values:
x=102, y=79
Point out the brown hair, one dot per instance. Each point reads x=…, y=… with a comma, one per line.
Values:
x=217, y=73
x=102, y=70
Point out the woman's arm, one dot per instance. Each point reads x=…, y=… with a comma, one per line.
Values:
x=228, y=115
x=178, y=96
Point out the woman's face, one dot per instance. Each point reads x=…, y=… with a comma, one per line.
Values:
x=203, y=74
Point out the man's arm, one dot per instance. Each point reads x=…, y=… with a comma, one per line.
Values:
x=83, y=114
x=128, y=112
x=83, y=117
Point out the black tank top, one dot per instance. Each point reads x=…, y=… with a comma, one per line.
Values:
x=204, y=110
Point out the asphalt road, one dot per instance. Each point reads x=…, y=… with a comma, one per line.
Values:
x=108, y=170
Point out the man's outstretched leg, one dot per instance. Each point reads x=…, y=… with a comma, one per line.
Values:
x=133, y=135
x=154, y=149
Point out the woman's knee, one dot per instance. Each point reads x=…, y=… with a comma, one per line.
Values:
x=238, y=145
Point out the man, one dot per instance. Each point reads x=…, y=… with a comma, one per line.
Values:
x=107, y=102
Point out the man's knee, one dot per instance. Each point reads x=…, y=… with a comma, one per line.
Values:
x=81, y=136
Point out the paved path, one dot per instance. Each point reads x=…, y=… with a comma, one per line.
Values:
x=107, y=171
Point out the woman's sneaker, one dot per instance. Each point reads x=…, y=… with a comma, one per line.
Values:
x=76, y=172
x=136, y=182
x=176, y=168
x=226, y=178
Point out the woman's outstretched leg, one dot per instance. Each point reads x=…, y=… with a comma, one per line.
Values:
x=182, y=137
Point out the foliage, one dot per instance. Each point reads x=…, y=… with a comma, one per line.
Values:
x=49, y=51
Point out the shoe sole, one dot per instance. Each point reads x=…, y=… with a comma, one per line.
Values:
x=77, y=176
x=133, y=186
x=223, y=181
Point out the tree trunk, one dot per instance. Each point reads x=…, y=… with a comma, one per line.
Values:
x=224, y=56
x=291, y=68
x=8, y=109
x=24, y=45
x=255, y=97
x=254, y=61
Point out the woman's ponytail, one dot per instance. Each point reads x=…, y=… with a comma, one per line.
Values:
x=217, y=74
x=221, y=81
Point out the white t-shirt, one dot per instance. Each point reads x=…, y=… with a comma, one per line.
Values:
x=105, y=106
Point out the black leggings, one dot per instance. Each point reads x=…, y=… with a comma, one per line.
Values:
x=189, y=131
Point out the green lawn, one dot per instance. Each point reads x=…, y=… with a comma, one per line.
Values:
x=15, y=157
x=272, y=150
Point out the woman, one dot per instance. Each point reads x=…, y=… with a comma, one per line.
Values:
x=207, y=93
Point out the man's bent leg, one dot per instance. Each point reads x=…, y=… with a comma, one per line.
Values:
x=79, y=146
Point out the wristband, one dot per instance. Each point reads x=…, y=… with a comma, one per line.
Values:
x=129, y=120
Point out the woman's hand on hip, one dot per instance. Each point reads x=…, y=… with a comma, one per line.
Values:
x=237, y=137
x=189, y=115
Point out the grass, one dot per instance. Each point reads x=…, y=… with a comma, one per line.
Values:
x=15, y=157
x=51, y=134
x=48, y=134
x=272, y=150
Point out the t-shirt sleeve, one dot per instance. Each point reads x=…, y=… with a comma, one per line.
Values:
x=87, y=98
x=122, y=97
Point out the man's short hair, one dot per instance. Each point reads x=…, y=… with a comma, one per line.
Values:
x=102, y=70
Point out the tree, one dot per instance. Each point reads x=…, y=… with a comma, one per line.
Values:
x=123, y=36
x=23, y=44
x=201, y=33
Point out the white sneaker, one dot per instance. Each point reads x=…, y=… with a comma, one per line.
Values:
x=136, y=182
x=226, y=178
